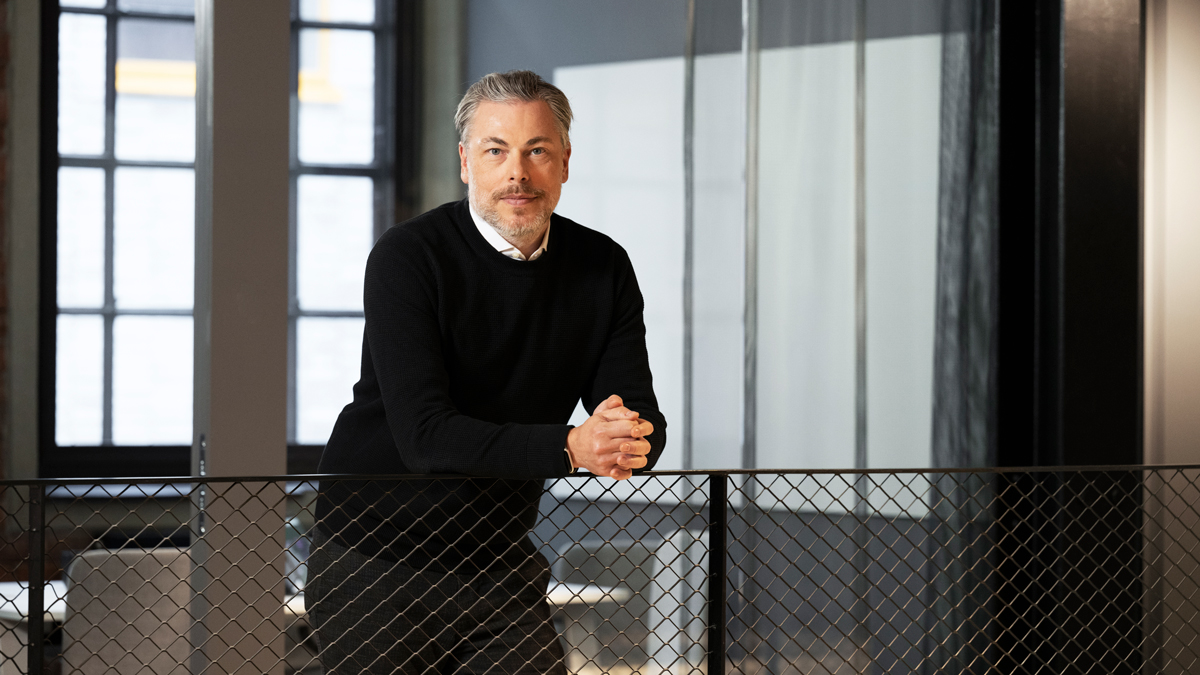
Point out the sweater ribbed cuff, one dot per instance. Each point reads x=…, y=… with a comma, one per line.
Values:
x=545, y=455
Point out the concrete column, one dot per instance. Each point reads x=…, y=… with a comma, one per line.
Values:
x=1172, y=244
x=23, y=234
x=1172, y=325
x=242, y=99
x=443, y=83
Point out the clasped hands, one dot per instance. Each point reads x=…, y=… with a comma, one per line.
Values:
x=612, y=442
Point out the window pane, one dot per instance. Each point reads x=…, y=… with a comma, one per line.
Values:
x=805, y=257
x=79, y=381
x=185, y=7
x=328, y=354
x=335, y=231
x=156, y=88
x=82, y=44
x=344, y=11
x=718, y=285
x=337, y=97
x=80, y=237
x=153, y=238
x=152, y=380
x=93, y=4
x=631, y=109
x=903, y=98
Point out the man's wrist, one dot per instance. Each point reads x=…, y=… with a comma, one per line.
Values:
x=572, y=465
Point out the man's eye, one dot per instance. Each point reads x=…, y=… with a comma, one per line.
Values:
x=493, y=151
x=538, y=151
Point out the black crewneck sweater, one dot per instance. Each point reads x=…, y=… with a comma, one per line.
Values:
x=472, y=365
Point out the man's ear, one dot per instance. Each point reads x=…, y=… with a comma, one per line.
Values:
x=566, y=163
x=462, y=157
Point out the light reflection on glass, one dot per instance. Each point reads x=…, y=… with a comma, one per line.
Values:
x=79, y=380
x=328, y=352
x=153, y=238
x=80, y=237
x=334, y=226
x=81, y=80
x=337, y=97
x=152, y=380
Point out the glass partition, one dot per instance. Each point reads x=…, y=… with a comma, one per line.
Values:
x=774, y=169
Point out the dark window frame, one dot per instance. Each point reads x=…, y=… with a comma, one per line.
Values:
x=303, y=458
x=397, y=103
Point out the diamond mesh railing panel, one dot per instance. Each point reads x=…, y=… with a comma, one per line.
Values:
x=1047, y=571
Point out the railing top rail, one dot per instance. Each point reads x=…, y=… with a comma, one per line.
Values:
x=308, y=478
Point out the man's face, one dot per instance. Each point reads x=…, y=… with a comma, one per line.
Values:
x=514, y=165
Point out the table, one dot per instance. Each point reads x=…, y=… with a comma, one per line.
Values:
x=14, y=599
x=14, y=602
x=14, y=611
x=562, y=595
x=14, y=618
x=14, y=615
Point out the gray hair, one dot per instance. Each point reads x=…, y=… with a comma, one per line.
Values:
x=515, y=85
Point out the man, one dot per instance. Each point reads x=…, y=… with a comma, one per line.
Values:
x=487, y=320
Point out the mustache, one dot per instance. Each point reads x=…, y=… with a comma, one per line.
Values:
x=517, y=190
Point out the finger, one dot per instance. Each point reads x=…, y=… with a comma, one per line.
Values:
x=617, y=428
x=614, y=414
x=634, y=446
x=631, y=461
x=613, y=401
x=618, y=473
x=642, y=429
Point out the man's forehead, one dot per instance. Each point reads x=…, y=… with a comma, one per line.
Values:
x=500, y=140
x=513, y=123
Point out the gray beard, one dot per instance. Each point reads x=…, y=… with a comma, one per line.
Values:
x=512, y=233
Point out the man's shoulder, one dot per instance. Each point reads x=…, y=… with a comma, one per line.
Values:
x=585, y=242
x=429, y=232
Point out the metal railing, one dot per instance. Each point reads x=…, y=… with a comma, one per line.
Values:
x=1084, y=569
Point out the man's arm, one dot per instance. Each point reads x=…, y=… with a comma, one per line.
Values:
x=429, y=432
x=431, y=435
x=626, y=430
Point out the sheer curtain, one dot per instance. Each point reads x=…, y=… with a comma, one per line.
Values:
x=964, y=399
x=965, y=329
x=811, y=211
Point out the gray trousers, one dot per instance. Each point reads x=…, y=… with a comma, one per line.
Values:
x=376, y=616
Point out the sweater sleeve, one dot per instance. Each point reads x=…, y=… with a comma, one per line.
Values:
x=624, y=367
x=431, y=435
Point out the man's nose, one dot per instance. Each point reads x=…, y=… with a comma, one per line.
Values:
x=517, y=170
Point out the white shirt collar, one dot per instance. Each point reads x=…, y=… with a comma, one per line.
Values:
x=501, y=244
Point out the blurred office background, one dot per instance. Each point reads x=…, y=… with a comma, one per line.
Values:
x=848, y=219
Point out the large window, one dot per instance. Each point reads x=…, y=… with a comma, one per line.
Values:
x=117, y=397
x=341, y=199
x=126, y=147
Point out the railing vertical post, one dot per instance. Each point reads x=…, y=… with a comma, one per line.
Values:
x=718, y=499
x=37, y=581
